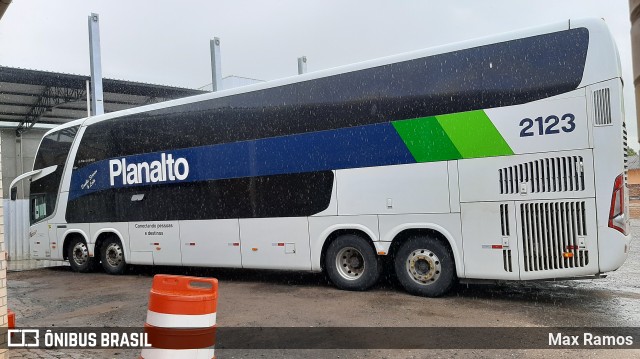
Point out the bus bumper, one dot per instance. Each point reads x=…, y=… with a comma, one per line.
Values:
x=613, y=249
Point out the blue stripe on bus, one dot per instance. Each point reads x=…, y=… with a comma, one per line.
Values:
x=363, y=146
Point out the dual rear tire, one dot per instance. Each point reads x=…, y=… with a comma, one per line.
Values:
x=423, y=265
x=352, y=263
x=111, y=256
x=78, y=255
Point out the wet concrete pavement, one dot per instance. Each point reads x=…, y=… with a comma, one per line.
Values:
x=249, y=298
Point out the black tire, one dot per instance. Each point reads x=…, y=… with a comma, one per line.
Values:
x=112, y=256
x=425, y=266
x=78, y=255
x=351, y=263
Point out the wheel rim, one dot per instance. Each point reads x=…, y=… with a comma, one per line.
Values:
x=113, y=255
x=350, y=263
x=80, y=253
x=423, y=266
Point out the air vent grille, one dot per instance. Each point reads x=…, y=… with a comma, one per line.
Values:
x=504, y=228
x=553, y=235
x=506, y=260
x=555, y=174
x=602, y=106
x=504, y=219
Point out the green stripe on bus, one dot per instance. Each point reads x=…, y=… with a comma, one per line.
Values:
x=474, y=135
x=426, y=140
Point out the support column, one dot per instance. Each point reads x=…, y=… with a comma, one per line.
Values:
x=302, y=65
x=216, y=65
x=97, y=105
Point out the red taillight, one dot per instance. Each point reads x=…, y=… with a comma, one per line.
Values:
x=617, y=216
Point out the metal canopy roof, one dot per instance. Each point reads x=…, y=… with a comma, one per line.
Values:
x=28, y=97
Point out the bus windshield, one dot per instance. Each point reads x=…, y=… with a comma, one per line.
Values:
x=53, y=150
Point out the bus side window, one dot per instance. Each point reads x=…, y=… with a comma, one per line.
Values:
x=38, y=207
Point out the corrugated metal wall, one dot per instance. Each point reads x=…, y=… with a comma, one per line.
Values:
x=16, y=226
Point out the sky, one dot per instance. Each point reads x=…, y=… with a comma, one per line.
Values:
x=167, y=42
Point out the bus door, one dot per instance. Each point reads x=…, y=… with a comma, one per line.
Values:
x=39, y=232
x=490, y=240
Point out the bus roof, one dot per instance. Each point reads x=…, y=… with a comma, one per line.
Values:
x=600, y=65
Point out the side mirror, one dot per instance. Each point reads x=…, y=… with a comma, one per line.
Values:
x=35, y=174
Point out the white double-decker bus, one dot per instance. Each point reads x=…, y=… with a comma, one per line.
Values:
x=500, y=158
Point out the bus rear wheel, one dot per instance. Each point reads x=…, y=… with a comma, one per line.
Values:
x=425, y=267
x=112, y=256
x=78, y=255
x=351, y=263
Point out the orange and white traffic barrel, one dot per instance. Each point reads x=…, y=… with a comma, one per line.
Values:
x=181, y=319
x=12, y=319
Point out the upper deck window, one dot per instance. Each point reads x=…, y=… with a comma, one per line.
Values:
x=493, y=75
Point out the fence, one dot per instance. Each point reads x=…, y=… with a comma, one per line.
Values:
x=16, y=216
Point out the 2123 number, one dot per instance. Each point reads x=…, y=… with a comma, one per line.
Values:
x=549, y=126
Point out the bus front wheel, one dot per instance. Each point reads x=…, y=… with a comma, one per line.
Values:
x=112, y=256
x=424, y=266
x=351, y=263
x=78, y=255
